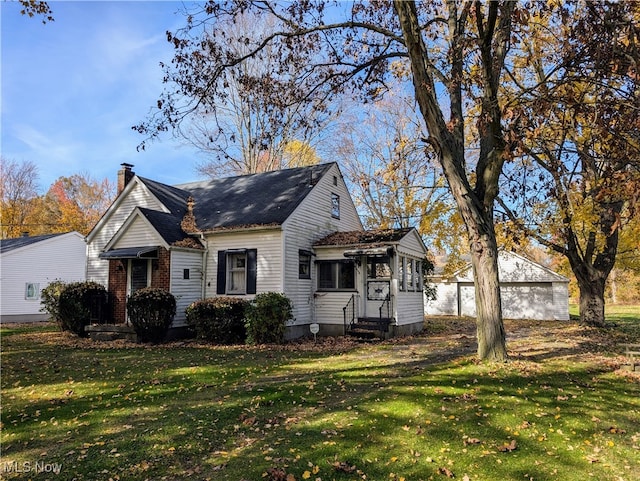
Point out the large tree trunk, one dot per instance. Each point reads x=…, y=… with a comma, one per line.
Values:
x=448, y=138
x=490, y=328
x=484, y=259
x=592, y=300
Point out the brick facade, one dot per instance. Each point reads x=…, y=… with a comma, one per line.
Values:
x=118, y=269
x=161, y=271
x=118, y=290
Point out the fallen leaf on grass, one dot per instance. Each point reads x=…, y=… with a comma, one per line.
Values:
x=343, y=467
x=471, y=441
x=447, y=472
x=507, y=448
x=276, y=474
x=615, y=430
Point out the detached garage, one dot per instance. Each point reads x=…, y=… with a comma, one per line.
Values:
x=29, y=264
x=529, y=291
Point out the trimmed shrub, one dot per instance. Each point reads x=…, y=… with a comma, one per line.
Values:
x=75, y=303
x=266, y=318
x=151, y=312
x=220, y=320
x=50, y=300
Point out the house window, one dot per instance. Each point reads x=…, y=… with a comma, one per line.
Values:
x=418, y=274
x=410, y=275
x=336, y=275
x=378, y=267
x=32, y=291
x=335, y=206
x=304, y=264
x=402, y=275
x=186, y=274
x=237, y=271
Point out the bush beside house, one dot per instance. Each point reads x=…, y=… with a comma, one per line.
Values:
x=267, y=316
x=75, y=303
x=220, y=320
x=151, y=312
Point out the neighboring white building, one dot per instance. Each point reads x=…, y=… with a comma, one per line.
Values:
x=29, y=264
x=528, y=290
x=244, y=235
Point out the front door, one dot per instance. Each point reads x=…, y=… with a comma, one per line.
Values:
x=377, y=287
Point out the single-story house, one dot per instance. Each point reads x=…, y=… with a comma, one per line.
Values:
x=528, y=291
x=29, y=264
x=267, y=232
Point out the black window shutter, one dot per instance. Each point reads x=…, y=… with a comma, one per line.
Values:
x=222, y=272
x=252, y=270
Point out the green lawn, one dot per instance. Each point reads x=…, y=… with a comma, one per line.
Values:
x=415, y=409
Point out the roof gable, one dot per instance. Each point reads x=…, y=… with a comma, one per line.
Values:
x=515, y=268
x=152, y=188
x=132, y=223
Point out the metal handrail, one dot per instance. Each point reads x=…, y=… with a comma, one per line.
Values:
x=386, y=302
x=349, y=313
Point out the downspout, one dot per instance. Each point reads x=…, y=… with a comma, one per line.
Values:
x=205, y=256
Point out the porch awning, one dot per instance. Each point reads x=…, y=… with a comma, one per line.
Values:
x=150, y=252
x=373, y=251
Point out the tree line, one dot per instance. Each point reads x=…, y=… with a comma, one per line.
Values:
x=73, y=203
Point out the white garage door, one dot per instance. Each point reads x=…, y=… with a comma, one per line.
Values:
x=519, y=300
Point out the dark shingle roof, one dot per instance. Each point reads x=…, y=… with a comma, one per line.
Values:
x=172, y=198
x=167, y=225
x=258, y=199
x=7, y=245
x=267, y=198
x=366, y=238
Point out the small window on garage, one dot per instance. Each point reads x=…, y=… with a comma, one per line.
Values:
x=186, y=274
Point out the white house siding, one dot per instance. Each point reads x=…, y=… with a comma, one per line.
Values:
x=268, y=243
x=467, y=302
x=57, y=258
x=330, y=311
x=411, y=245
x=138, y=234
x=410, y=312
x=312, y=220
x=410, y=304
x=189, y=290
x=560, y=308
x=446, y=303
x=135, y=195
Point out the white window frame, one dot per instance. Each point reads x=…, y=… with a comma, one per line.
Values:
x=231, y=270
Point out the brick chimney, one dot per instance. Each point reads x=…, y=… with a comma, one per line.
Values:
x=124, y=176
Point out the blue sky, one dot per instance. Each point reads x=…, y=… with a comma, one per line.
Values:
x=72, y=89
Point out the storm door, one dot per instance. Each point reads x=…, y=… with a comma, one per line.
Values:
x=378, y=284
x=138, y=274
